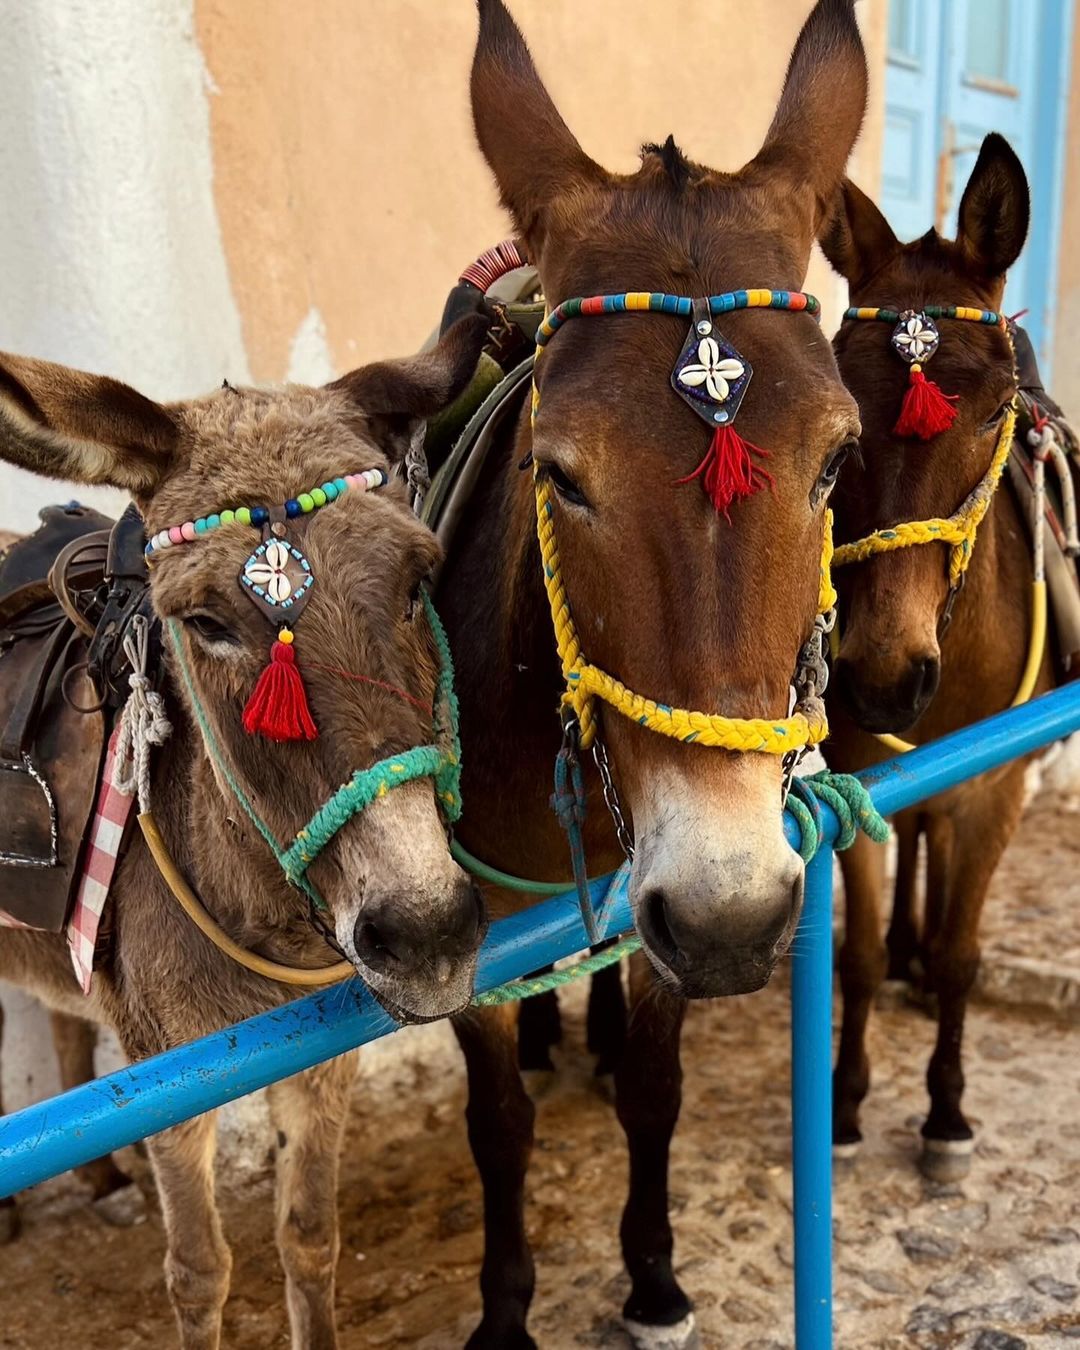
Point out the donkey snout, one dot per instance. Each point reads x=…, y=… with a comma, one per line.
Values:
x=889, y=701
x=397, y=935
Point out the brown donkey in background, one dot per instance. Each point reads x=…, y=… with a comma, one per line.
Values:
x=667, y=595
x=900, y=668
x=408, y=919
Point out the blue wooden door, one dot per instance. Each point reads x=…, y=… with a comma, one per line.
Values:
x=957, y=69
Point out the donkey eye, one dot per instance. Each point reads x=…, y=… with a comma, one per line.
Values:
x=564, y=485
x=210, y=629
x=831, y=472
x=998, y=417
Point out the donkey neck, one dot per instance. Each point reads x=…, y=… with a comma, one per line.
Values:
x=991, y=623
x=509, y=681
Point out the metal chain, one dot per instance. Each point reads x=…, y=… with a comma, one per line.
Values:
x=611, y=797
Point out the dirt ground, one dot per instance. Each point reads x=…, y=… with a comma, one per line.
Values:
x=991, y=1264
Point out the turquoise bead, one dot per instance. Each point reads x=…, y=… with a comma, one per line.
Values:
x=330, y=491
x=212, y=522
x=200, y=525
x=341, y=485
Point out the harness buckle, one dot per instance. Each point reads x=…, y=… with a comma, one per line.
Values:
x=950, y=604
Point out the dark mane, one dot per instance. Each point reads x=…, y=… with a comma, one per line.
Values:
x=676, y=165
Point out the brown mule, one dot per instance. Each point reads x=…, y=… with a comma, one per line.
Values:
x=667, y=595
x=395, y=903
x=899, y=668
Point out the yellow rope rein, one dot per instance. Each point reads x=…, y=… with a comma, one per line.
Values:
x=585, y=682
x=958, y=530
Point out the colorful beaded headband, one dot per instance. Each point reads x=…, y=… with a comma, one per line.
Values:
x=710, y=374
x=277, y=578
x=262, y=515
x=926, y=411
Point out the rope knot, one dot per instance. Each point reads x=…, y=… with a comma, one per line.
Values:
x=849, y=800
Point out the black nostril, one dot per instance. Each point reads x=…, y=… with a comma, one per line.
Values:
x=925, y=682
x=655, y=918
x=372, y=947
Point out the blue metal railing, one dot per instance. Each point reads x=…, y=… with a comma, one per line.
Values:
x=111, y=1112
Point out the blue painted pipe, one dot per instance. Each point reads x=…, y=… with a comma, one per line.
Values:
x=111, y=1112
x=811, y=1107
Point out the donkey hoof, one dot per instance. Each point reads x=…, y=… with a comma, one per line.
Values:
x=513, y=1338
x=844, y=1154
x=538, y=1083
x=10, y=1223
x=123, y=1208
x=946, y=1160
x=681, y=1335
x=604, y=1085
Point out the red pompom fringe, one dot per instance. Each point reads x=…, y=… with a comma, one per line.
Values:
x=278, y=707
x=925, y=411
x=728, y=472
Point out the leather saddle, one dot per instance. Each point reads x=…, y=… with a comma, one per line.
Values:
x=67, y=592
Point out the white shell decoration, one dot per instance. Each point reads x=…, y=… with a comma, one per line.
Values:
x=713, y=370
x=916, y=337
x=269, y=571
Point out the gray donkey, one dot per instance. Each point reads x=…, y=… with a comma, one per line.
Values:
x=389, y=896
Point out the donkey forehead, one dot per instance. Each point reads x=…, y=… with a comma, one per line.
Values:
x=251, y=447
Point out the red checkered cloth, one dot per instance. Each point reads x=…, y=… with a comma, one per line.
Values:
x=111, y=814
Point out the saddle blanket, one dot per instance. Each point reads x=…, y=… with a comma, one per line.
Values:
x=112, y=811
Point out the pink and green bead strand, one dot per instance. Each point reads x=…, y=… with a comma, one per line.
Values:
x=258, y=516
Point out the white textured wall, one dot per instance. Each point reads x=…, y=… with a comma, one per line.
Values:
x=110, y=254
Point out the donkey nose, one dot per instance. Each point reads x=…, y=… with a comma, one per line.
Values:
x=883, y=705
x=720, y=945
x=398, y=935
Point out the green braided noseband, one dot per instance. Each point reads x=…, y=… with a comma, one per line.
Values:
x=440, y=761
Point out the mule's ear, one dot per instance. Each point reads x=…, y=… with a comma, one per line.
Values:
x=529, y=147
x=821, y=108
x=995, y=209
x=395, y=396
x=86, y=428
x=856, y=239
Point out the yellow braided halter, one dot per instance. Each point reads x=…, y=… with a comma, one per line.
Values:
x=958, y=530
x=585, y=682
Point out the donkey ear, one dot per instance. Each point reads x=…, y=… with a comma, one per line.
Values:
x=821, y=108
x=395, y=396
x=86, y=428
x=856, y=239
x=995, y=209
x=529, y=147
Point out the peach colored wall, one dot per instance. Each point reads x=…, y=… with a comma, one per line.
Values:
x=1067, y=328
x=349, y=188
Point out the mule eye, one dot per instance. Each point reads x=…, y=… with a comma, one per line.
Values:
x=999, y=416
x=564, y=485
x=210, y=628
x=831, y=472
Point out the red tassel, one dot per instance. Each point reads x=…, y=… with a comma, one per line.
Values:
x=728, y=472
x=278, y=707
x=925, y=411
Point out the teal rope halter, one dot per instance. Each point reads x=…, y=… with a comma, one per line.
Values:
x=440, y=761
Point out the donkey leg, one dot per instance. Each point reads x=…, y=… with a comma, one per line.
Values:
x=9, y=1213
x=197, y=1258
x=982, y=827
x=648, y=1094
x=500, y=1120
x=309, y=1113
x=74, y=1040
x=861, y=963
x=605, y=1026
x=539, y=1028
x=902, y=939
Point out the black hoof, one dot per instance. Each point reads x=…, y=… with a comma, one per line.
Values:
x=487, y=1337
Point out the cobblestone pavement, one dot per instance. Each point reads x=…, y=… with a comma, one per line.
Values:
x=991, y=1264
